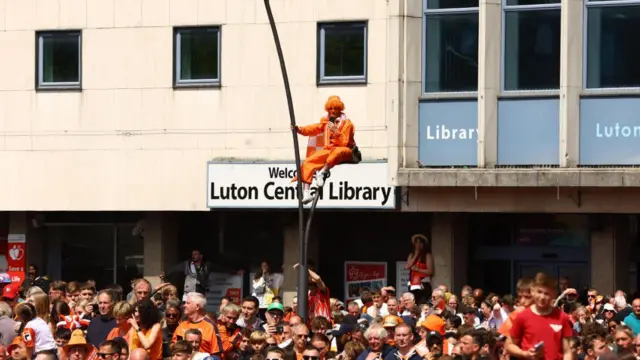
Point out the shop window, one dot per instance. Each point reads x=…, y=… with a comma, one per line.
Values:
x=451, y=46
x=612, y=46
x=106, y=253
x=531, y=44
x=559, y=230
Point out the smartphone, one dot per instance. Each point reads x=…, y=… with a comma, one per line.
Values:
x=538, y=347
x=279, y=329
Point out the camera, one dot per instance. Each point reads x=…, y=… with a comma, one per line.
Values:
x=279, y=329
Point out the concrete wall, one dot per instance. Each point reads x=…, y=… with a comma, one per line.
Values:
x=129, y=136
x=531, y=200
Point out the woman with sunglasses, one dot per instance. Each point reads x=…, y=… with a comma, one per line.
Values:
x=172, y=315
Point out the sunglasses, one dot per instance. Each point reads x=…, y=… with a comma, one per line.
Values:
x=171, y=316
x=104, y=355
x=273, y=359
x=307, y=357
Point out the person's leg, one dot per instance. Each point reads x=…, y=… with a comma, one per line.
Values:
x=337, y=156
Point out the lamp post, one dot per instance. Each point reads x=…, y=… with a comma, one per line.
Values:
x=303, y=233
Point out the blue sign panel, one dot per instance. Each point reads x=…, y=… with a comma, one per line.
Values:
x=529, y=132
x=448, y=133
x=610, y=131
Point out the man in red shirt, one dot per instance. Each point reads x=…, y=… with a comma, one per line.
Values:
x=541, y=331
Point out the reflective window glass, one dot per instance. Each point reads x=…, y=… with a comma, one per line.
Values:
x=451, y=52
x=613, y=48
x=532, y=50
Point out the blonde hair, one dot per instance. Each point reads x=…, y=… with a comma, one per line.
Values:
x=230, y=308
x=82, y=304
x=170, y=290
x=41, y=303
x=122, y=308
x=258, y=336
x=34, y=290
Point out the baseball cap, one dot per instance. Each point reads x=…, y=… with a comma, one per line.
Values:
x=348, y=324
x=432, y=335
x=11, y=291
x=275, y=306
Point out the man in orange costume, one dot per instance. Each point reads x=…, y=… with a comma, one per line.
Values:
x=335, y=132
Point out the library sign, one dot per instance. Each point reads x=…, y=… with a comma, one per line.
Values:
x=269, y=185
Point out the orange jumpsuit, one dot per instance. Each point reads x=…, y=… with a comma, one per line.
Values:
x=336, y=150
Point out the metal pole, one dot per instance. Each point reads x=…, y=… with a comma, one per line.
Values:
x=302, y=270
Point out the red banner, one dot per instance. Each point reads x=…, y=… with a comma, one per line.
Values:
x=365, y=272
x=16, y=257
x=361, y=276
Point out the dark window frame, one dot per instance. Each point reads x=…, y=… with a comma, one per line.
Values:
x=600, y=4
x=321, y=79
x=204, y=83
x=40, y=84
x=431, y=12
x=557, y=6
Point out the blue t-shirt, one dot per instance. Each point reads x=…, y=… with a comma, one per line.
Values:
x=633, y=322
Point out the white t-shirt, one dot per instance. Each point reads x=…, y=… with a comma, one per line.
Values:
x=37, y=335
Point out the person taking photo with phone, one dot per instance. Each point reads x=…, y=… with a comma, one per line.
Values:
x=541, y=331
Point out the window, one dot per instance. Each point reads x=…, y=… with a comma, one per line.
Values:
x=342, y=55
x=197, y=56
x=59, y=59
x=531, y=44
x=612, y=45
x=451, y=46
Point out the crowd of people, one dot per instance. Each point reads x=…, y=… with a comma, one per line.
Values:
x=545, y=320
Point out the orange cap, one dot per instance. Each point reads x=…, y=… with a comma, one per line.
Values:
x=434, y=323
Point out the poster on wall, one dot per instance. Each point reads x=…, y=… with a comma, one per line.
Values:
x=402, y=278
x=363, y=276
x=16, y=257
x=221, y=284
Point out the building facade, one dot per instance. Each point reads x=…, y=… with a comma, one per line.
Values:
x=524, y=107
x=505, y=129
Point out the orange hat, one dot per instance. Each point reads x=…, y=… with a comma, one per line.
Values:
x=17, y=341
x=391, y=321
x=78, y=340
x=334, y=102
x=434, y=323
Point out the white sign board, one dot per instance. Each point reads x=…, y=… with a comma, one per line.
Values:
x=220, y=285
x=264, y=185
x=402, y=278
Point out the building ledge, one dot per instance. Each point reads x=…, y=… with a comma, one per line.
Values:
x=570, y=177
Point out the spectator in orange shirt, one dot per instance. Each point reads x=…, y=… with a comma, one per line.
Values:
x=194, y=310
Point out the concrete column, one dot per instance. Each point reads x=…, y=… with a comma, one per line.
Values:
x=610, y=246
x=602, y=251
x=292, y=257
x=442, y=249
x=160, y=239
x=449, y=247
x=404, y=83
x=571, y=51
x=489, y=55
x=460, y=252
